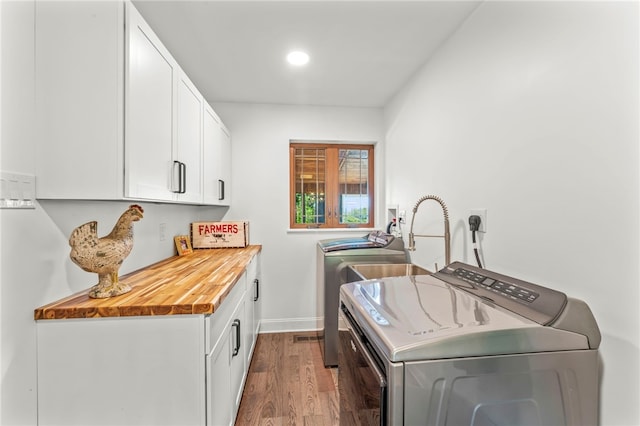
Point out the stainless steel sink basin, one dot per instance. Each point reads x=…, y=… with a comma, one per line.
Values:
x=382, y=270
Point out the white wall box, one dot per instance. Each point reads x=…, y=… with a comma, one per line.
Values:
x=117, y=116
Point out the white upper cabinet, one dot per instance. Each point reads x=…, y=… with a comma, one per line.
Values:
x=217, y=160
x=117, y=117
x=188, y=157
x=210, y=155
x=79, y=99
x=150, y=87
x=225, y=165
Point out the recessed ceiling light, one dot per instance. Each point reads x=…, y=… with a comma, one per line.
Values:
x=297, y=58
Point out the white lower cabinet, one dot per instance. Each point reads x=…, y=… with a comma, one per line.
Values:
x=219, y=398
x=226, y=373
x=233, y=332
x=238, y=366
x=252, y=306
x=225, y=360
x=148, y=370
x=121, y=371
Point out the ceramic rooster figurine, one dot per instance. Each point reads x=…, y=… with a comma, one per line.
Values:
x=105, y=255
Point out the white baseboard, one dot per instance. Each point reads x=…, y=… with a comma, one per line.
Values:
x=287, y=325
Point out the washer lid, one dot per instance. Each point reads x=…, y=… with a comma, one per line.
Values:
x=421, y=317
x=347, y=244
x=374, y=239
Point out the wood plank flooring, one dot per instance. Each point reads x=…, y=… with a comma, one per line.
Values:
x=288, y=383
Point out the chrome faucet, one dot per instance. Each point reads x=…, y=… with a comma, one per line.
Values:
x=446, y=236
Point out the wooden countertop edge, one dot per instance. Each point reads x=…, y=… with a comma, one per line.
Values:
x=178, y=285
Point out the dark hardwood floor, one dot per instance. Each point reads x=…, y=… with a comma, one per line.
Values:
x=288, y=383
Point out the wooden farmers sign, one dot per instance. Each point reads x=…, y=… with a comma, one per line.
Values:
x=219, y=234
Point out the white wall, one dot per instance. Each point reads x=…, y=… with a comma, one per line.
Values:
x=531, y=111
x=17, y=350
x=260, y=145
x=1, y=25
x=34, y=252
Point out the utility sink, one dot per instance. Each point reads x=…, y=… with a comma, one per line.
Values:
x=382, y=270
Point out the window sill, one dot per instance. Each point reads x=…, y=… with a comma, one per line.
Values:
x=329, y=230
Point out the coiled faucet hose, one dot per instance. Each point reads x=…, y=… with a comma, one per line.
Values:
x=435, y=198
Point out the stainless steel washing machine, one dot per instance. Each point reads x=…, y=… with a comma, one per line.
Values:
x=466, y=346
x=333, y=258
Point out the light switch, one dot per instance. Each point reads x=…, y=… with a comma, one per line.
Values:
x=17, y=191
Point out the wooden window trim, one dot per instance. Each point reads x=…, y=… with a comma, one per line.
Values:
x=331, y=185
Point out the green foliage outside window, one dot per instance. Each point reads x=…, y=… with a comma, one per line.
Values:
x=309, y=208
x=356, y=216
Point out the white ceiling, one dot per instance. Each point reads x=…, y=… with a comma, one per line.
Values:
x=362, y=52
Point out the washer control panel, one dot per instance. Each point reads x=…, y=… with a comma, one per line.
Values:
x=505, y=289
x=532, y=301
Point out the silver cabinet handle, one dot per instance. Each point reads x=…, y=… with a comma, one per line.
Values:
x=236, y=348
x=175, y=177
x=220, y=189
x=257, y=293
x=182, y=177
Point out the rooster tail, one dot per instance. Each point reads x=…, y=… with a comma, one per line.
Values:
x=83, y=232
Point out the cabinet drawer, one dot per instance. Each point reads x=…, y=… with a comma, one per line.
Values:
x=216, y=323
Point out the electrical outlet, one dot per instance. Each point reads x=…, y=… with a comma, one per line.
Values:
x=17, y=191
x=163, y=231
x=483, y=218
x=401, y=216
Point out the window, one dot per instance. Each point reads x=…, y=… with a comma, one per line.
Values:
x=331, y=185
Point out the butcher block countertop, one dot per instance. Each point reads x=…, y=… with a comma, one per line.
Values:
x=195, y=283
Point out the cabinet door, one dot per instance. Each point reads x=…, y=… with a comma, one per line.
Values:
x=189, y=141
x=79, y=99
x=150, y=88
x=219, y=398
x=238, y=350
x=145, y=370
x=226, y=372
x=250, y=332
x=252, y=307
x=225, y=166
x=211, y=157
x=257, y=304
x=217, y=160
